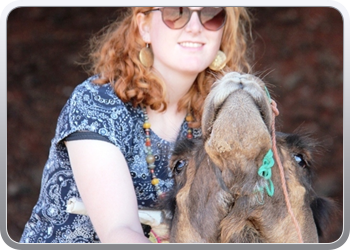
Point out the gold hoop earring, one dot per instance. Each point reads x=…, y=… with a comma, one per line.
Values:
x=146, y=56
x=219, y=62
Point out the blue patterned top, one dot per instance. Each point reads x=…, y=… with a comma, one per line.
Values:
x=94, y=108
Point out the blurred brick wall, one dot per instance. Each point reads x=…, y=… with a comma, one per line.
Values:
x=299, y=51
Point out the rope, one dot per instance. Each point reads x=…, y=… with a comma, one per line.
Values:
x=156, y=237
x=284, y=186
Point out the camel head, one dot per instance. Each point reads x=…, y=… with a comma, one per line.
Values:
x=228, y=187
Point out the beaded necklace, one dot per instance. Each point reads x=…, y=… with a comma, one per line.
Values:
x=150, y=159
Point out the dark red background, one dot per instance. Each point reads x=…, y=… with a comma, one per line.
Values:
x=298, y=50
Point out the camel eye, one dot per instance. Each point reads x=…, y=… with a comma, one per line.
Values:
x=179, y=165
x=300, y=160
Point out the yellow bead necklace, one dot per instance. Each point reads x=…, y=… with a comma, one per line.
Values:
x=150, y=159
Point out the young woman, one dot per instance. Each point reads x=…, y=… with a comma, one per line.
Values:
x=150, y=75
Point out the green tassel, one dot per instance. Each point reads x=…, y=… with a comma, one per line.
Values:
x=266, y=172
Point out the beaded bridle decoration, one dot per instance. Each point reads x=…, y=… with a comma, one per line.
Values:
x=150, y=159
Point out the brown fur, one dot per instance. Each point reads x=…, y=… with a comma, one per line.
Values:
x=216, y=195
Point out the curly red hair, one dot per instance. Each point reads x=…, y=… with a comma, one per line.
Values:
x=114, y=56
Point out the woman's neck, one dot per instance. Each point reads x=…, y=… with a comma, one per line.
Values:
x=177, y=84
x=166, y=124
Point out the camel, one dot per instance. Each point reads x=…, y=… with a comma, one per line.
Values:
x=242, y=182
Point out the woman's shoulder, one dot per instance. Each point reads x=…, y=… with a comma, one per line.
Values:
x=100, y=96
x=96, y=108
x=100, y=93
x=89, y=95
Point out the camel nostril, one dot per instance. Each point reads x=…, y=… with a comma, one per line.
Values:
x=237, y=80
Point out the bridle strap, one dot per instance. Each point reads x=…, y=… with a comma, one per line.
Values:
x=280, y=167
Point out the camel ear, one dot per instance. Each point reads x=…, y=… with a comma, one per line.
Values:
x=323, y=209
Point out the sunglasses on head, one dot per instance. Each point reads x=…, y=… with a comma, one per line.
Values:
x=212, y=18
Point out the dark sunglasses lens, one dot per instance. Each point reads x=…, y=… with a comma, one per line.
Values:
x=175, y=17
x=213, y=18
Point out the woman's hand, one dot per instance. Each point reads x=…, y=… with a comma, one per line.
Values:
x=106, y=188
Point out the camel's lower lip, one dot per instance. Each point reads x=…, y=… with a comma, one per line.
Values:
x=260, y=106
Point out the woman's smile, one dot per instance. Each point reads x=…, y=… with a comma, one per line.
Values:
x=191, y=44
